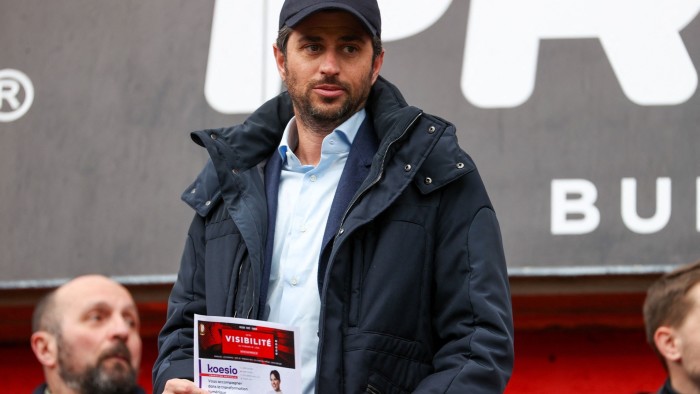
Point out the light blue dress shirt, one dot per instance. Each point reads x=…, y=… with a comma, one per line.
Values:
x=304, y=201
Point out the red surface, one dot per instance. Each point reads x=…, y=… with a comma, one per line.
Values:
x=561, y=361
x=584, y=360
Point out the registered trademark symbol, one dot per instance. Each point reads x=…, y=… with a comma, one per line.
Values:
x=16, y=94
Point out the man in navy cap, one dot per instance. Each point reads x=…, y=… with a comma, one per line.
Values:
x=338, y=208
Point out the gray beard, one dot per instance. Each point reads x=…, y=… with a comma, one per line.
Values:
x=96, y=380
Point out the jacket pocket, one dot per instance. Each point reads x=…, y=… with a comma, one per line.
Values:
x=384, y=363
x=389, y=281
x=379, y=384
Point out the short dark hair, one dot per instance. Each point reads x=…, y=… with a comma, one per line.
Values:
x=43, y=318
x=277, y=374
x=284, y=33
x=667, y=303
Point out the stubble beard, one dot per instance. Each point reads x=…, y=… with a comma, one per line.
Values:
x=98, y=379
x=320, y=120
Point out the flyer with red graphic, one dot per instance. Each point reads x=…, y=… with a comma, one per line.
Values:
x=239, y=355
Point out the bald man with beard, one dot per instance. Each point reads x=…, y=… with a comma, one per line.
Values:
x=86, y=337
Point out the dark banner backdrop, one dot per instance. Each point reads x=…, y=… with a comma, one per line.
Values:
x=581, y=115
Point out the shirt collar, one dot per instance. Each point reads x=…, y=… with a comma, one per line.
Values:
x=348, y=129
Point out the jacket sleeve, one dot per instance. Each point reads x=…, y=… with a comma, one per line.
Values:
x=472, y=309
x=175, y=344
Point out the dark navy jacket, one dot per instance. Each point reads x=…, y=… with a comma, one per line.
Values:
x=412, y=276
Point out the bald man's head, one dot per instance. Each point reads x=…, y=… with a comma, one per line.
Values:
x=86, y=335
x=42, y=319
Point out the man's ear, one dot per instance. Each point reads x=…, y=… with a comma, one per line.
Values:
x=377, y=66
x=45, y=348
x=280, y=60
x=668, y=343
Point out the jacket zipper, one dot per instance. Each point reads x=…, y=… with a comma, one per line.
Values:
x=342, y=221
x=235, y=294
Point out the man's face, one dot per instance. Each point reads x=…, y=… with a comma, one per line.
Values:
x=274, y=382
x=99, y=347
x=689, y=338
x=329, y=68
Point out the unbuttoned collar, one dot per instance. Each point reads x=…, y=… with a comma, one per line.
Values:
x=347, y=130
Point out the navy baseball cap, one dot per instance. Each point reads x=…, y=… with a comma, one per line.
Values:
x=367, y=11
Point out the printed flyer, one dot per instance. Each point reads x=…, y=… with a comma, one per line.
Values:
x=239, y=355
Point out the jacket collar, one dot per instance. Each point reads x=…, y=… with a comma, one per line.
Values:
x=244, y=146
x=255, y=139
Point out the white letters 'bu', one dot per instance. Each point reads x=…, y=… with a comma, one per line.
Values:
x=640, y=38
x=241, y=71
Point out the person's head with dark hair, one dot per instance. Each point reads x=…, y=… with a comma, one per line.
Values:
x=275, y=380
x=672, y=323
x=86, y=336
x=328, y=54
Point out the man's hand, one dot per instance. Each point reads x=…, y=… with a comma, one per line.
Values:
x=182, y=386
